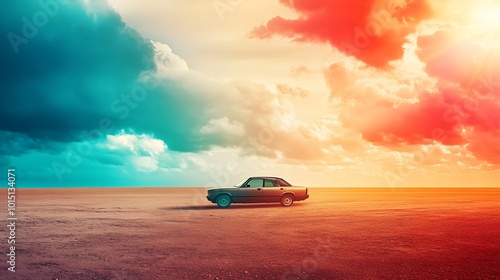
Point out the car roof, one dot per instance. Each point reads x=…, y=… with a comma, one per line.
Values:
x=265, y=177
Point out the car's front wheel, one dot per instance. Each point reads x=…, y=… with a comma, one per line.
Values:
x=287, y=200
x=223, y=201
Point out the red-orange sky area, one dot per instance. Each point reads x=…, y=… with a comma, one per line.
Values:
x=464, y=107
x=372, y=31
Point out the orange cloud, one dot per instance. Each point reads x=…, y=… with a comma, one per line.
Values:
x=464, y=108
x=373, y=31
x=472, y=62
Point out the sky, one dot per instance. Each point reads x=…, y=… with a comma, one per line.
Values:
x=334, y=93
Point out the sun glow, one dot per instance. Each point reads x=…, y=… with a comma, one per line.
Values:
x=483, y=24
x=486, y=16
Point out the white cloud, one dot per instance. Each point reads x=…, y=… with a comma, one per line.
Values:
x=136, y=144
x=143, y=150
x=223, y=126
x=166, y=61
x=145, y=163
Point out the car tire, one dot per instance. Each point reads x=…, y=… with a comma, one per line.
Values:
x=287, y=200
x=223, y=200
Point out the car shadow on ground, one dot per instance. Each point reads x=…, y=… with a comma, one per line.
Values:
x=233, y=206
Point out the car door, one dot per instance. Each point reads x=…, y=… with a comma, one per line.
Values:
x=251, y=191
x=272, y=191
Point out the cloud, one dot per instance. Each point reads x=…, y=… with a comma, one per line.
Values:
x=61, y=93
x=409, y=124
x=14, y=143
x=145, y=164
x=453, y=55
x=292, y=91
x=372, y=31
x=137, y=144
x=300, y=70
x=223, y=129
x=453, y=100
x=143, y=151
x=141, y=108
x=139, y=152
x=85, y=75
x=166, y=61
x=64, y=78
x=468, y=66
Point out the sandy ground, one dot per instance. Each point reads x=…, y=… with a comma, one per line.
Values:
x=177, y=234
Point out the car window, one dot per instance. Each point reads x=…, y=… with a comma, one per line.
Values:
x=255, y=183
x=241, y=183
x=270, y=183
x=283, y=183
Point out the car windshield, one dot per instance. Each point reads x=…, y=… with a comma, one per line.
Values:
x=241, y=183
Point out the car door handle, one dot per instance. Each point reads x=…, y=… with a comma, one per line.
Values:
x=258, y=189
x=281, y=188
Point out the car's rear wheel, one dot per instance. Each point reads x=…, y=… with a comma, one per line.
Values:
x=223, y=201
x=287, y=200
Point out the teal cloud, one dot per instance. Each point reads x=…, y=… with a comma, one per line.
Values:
x=64, y=75
x=85, y=74
x=73, y=73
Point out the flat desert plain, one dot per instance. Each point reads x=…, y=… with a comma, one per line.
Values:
x=175, y=233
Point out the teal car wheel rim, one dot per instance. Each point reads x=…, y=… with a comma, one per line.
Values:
x=223, y=200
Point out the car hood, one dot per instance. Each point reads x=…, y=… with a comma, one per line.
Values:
x=222, y=189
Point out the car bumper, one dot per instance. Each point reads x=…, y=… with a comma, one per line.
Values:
x=211, y=198
x=301, y=197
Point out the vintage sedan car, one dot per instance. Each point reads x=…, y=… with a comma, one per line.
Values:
x=258, y=189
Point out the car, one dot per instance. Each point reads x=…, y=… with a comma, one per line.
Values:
x=258, y=189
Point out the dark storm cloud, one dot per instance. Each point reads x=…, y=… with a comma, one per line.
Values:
x=63, y=64
x=73, y=71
